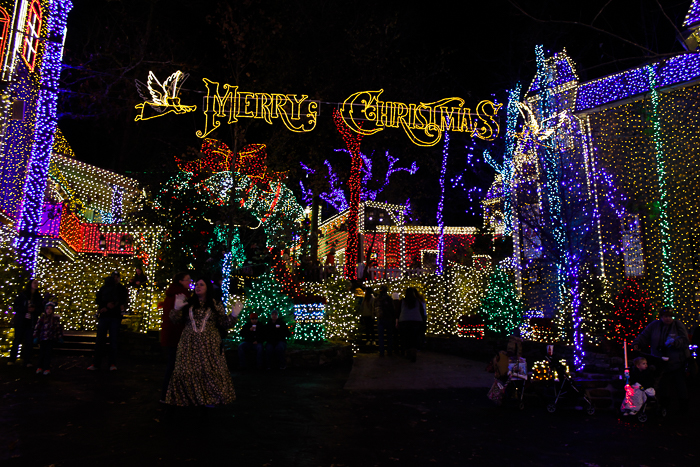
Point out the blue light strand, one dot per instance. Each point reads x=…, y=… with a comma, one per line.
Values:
x=44, y=131
x=634, y=82
x=566, y=261
x=440, y=221
x=307, y=196
x=512, y=114
x=693, y=15
x=336, y=195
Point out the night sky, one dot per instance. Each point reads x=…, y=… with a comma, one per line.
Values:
x=416, y=52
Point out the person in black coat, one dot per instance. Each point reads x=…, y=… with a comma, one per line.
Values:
x=252, y=334
x=112, y=300
x=386, y=319
x=276, y=334
x=27, y=307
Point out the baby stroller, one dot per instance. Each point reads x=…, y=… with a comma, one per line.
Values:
x=515, y=384
x=508, y=385
x=566, y=386
x=640, y=402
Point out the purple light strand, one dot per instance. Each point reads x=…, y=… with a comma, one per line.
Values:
x=440, y=221
x=45, y=128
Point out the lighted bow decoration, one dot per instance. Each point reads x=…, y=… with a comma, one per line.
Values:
x=215, y=157
x=162, y=98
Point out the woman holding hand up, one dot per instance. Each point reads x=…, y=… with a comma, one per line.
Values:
x=201, y=377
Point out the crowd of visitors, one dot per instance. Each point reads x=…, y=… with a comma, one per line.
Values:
x=400, y=323
x=194, y=321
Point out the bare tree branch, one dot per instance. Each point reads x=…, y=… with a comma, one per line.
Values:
x=669, y=19
x=590, y=26
x=601, y=10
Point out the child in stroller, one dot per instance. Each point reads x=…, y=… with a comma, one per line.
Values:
x=640, y=393
x=510, y=376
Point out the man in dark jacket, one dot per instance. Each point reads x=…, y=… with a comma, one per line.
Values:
x=386, y=319
x=276, y=334
x=668, y=341
x=111, y=300
x=252, y=334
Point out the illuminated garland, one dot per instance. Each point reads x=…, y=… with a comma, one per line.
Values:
x=440, y=221
x=45, y=127
x=633, y=82
x=667, y=272
x=508, y=166
x=352, y=141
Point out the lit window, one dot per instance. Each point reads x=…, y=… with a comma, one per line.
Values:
x=31, y=34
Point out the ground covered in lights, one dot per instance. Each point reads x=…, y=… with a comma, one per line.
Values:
x=306, y=418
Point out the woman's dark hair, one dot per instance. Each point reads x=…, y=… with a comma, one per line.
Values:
x=209, y=300
x=28, y=288
x=179, y=276
x=411, y=297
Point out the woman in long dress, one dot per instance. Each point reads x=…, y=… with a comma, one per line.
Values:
x=201, y=377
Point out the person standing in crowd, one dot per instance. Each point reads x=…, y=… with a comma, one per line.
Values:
x=170, y=331
x=111, y=300
x=410, y=322
x=47, y=332
x=668, y=341
x=367, y=315
x=27, y=307
x=252, y=334
x=384, y=311
x=139, y=279
x=201, y=377
x=276, y=333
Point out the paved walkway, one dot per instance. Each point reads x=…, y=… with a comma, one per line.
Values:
x=431, y=371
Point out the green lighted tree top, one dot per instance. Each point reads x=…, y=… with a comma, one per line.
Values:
x=264, y=296
x=501, y=308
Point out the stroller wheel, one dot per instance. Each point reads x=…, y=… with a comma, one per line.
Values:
x=590, y=410
x=521, y=406
x=642, y=417
x=551, y=408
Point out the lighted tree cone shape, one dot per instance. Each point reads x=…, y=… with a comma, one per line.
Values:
x=352, y=141
x=631, y=313
x=264, y=296
x=501, y=308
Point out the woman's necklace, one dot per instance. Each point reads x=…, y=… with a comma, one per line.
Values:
x=204, y=321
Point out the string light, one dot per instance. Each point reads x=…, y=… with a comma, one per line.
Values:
x=352, y=141
x=29, y=218
x=440, y=222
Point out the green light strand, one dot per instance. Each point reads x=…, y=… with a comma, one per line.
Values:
x=666, y=270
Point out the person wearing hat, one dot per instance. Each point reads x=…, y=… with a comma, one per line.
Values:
x=667, y=339
x=252, y=334
x=47, y=332
x=276, y=334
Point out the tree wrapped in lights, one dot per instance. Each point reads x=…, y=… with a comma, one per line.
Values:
x=501, y=308
x=263, y=296
x=340, y=321
x=632, y=312
x=596, y=306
